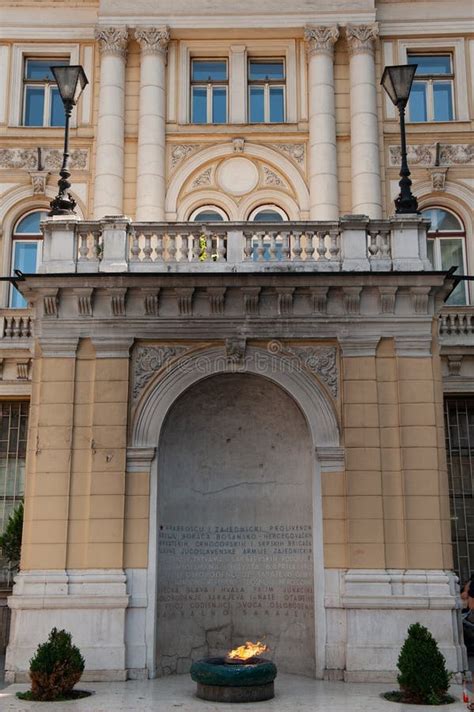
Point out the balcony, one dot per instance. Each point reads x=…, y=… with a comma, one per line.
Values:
x=16, y=327
x=456, y=326
x=352, y=244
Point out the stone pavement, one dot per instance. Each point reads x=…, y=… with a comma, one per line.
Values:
x=176, y=694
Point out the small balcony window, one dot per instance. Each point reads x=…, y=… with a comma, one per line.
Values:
x=26, y=251
x=209, y=80
x=447, y=247
x=266, y=87
x=431, y=97
x=42, y=105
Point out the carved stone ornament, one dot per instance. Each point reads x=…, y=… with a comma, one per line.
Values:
x=420, y=299
x=351, y=297
x=426, y=154
x=235, y=349
x=321, y=361
x=438, y=178
x=238, y=144
x=285, y=301
x=361, y=38
x=319, y=299
x=153, y=40
x=184, y=298
x=38, y=181
x=27, y=159
x=295, y=151
x=203, y=178
x=182, y=151
x=216, y=297
x=251, y=296
x=147, y=360
x=321, y=39
x=455, y=364
x=112, y=40
x=51, y=303
x=272, y=178
x=23, y=370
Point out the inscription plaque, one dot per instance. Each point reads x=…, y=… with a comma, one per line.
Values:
x=235, y=554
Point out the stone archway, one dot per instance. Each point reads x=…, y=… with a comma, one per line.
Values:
x=235, y=540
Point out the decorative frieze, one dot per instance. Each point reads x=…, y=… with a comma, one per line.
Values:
x=182, y=151
x=112, y=40
x=153, y=39
x=321, y=39
x=147, y=360
x=321, y=361
x=361, y=38
x=27, y=159
x=434, y=154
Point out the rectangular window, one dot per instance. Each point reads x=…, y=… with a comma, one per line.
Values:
x=13, y=436
x=266, y=82
x=209, y=80
x=42, y=105
x=25, y=258
x=432, y=95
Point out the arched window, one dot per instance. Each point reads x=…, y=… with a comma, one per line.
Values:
x=208, y=213
x=447, y=247
x=26, y=250
x=268, y=213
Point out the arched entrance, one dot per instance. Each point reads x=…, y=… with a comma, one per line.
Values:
x=235, y=524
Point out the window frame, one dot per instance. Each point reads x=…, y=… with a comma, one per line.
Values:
x=437, y=236
x=266, y=84
x=48, y=85
x=20, y=53
x=208, y=208
x=429, y=80
x=209, y=86
x=25, y=237
x=267, y=206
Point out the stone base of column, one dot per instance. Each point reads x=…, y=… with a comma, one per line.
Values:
x=367, y=617
x=90, y=604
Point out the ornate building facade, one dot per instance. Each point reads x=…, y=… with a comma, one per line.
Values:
x=235, y=388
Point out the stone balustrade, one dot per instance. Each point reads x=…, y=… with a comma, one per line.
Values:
x=16, y=324
x=354, y=243
x=456, y=325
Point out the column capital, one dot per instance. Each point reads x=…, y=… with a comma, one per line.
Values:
x=153, y=40
x=320, y=39
x=361, y=38
x=112, y=40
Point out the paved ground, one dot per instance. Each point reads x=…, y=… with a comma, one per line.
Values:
x=176, y=694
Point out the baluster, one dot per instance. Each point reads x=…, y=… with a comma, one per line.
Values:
x=196, y=247
x=297, y=249
x=16, y=328
x=172, y=247
x=184, y=248
x=334, y=248
x=8, y=326
x=83, y=247
x=272, y=250
x=443, y=324
x=286, y=246
x=248, y=249
x=385, y=245
x=221, y=248
x=469, y=324
x=21, y=325
x=97, y=246
x=147, y=250
x=321, y=249
x=159, y=247
x=209, y=246
x=135, y=248
x=260, y=246
x=309, y=246
x=373, y=246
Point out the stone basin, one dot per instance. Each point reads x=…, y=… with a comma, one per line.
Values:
x=220, y=681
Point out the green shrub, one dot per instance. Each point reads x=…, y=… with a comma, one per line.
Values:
x=56, y=667
x=10, y=540
x=423, y=677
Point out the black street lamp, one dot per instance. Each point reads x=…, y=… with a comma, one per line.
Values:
x=71, y=81
x=397, y=83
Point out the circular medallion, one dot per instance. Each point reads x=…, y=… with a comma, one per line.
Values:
x=237, y=176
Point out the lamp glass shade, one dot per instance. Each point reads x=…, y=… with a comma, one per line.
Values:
x=71, y=80
x=397, y=82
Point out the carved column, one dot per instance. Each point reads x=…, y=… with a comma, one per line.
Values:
x=323, y=185
x=365, y=157
x=151, y=187
x=109, y=163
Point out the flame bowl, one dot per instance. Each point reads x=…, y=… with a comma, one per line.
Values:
x=220, y=681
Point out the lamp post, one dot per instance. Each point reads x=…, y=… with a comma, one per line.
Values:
x=397, y=83
x=71, y=81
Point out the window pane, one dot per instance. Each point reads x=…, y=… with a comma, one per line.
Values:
x=268, y=70
x=451, y=255
x=209, y=70
x=57, y=109
x=443, y=101
x=219, y=105
x=31, y=223
x=430, y=251
x=208, y=216
x=199, y=101
x=442, y=220
x=417, y=104
x=40, y=68
x=431, y=64
x=34, y=106
x=256, y=105
x=277, y=104
x=268, y=216
x=24, y=259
